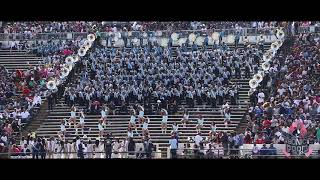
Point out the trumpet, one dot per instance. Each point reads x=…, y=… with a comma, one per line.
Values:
x=200, y=40
x=192, y=37
x=91, y=37
x=265, y=66
x=69, y=60
x=258, y=77
x=230, y=38
x=51, y=85
x=82, y=51
x=174, y=36
x=253, y=84
x=215, y=36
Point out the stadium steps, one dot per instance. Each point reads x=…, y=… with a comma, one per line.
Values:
x=14, y=59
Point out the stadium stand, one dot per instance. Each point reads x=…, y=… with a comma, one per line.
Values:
x=231, y=123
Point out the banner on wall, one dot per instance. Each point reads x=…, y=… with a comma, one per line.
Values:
x=296, y=146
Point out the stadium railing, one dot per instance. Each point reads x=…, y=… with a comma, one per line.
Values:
x=215, y=154
x=139, y=34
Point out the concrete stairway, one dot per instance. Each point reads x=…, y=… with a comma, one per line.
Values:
x=14, y=59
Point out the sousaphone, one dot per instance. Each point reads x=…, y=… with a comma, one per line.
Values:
x=82, y=51
x=265, y=66
x=253, y=83
x=91, y=37
x=69, y=60
x=258, y=77
x=51, y=85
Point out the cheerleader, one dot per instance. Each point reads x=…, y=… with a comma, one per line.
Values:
x=213, y=129
x=141, y=113
x=101, y=129
x=200, y=123
x=104, y=116
x=164, y=121
x=63, y=127
x=227, y=116
x=132, y=122
x=81, y=124
x=129, y=132
x=175, y=128
x=145, y=124
x=73, y=116
x=185, y=118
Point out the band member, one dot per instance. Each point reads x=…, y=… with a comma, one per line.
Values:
x=101, y=129
x=72, y=119
x=81, y=124
x=145, y=124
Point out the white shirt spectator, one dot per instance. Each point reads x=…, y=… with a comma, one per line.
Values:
x=36, y=100
x=261, y=97
x=285, y=129
x=4, y=138
x=25, y=114
x=173, y=143
x=281, y=91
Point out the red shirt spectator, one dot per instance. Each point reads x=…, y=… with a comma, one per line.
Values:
x=260, y=141
x=266, y=123
x=26, y=91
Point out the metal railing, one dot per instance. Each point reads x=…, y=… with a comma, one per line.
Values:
x=193, y=154
x=230, y=153
x=135, y=34
x=86, y=155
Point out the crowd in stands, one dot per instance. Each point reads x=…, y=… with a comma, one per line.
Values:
x=288, y=101
x=29, y=29
x=157, y=78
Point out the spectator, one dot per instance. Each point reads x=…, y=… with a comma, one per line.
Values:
x=272, y=150
x=25, y=116
x=131, y=147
